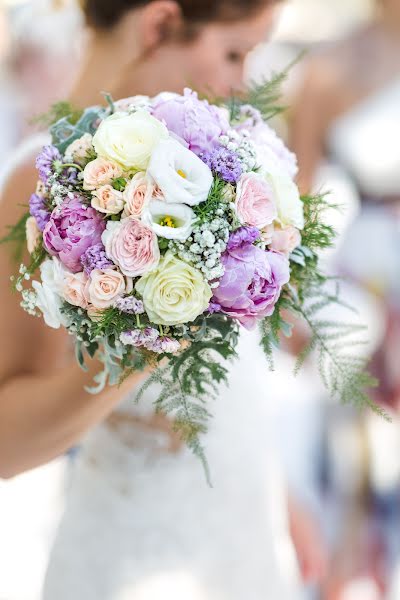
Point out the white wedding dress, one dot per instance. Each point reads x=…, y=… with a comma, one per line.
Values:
x=141, y=523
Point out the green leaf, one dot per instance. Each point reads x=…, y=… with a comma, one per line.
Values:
x=17, y=235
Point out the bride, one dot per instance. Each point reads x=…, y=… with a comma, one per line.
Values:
x=140, y=521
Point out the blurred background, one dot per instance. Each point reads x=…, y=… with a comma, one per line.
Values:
x=343, y=121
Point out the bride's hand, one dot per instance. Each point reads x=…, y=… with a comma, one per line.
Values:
x=126, y=424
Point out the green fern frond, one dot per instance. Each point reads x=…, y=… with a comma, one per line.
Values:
x=266, y=95
x=17, y=236
x=343, y=373
x=190, y=381
x=59, y=110
x=317, y=234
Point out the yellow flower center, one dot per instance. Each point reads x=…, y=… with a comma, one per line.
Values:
x=167, y=221
x=182, y=173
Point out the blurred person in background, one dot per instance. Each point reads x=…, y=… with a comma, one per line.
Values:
x=348, y=110
x=140, y=519
x=38, y=44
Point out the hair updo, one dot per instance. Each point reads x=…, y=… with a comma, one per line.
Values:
x=104, y=14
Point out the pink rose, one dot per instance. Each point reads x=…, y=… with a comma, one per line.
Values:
x=285, y=239
x=255, y=203
x=100, y=171
x=33, y=234
x=137, y=195
x=107, y=200
x=104, y=287
x=74, y=289
x=132, y=246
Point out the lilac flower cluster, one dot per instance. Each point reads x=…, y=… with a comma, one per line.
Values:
x=38, y=209
x=45, y=162
x=224, y=163
x=95, y=258
x=130, y=305
x=150, y=339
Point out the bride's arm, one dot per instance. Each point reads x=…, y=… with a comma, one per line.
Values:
x=44, y=409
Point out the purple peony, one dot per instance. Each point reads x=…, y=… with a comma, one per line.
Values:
x=45, y=162
x=251, y=284
x=243, y=237
x=37, y=208
x=224, y=163
x=195, y=121
x=95, y=258
x=72, y=229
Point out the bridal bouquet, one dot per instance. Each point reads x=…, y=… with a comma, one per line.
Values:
x=160, y=227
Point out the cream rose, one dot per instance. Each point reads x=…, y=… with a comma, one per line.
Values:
x=129, y=140
x=33, y=234
x=181, y=175
x=78, y=150
x=255, y=202
x=174, y=293
x=132, y=246
x=100, y=171
x=74, y=289
x=104, y=287
x=107, y=200
x=137, y=195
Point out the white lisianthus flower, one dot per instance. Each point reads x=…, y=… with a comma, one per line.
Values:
x=181, y=175
x=170, y=221
x=130, y=139
x=52, y=273
x=287, y=199
x=174, y=293
x=49, y=300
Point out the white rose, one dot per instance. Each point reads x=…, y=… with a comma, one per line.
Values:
x=129, y=140
x=49, y=300
x=100, y=171
x=107, y=200
x=137, y=195
x=170, y=221
x=33, y=234
x=181, y=175
x=104, y=287
x=174, y=293
x=287, y=198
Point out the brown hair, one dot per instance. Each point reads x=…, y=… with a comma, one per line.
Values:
x=104, y=14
